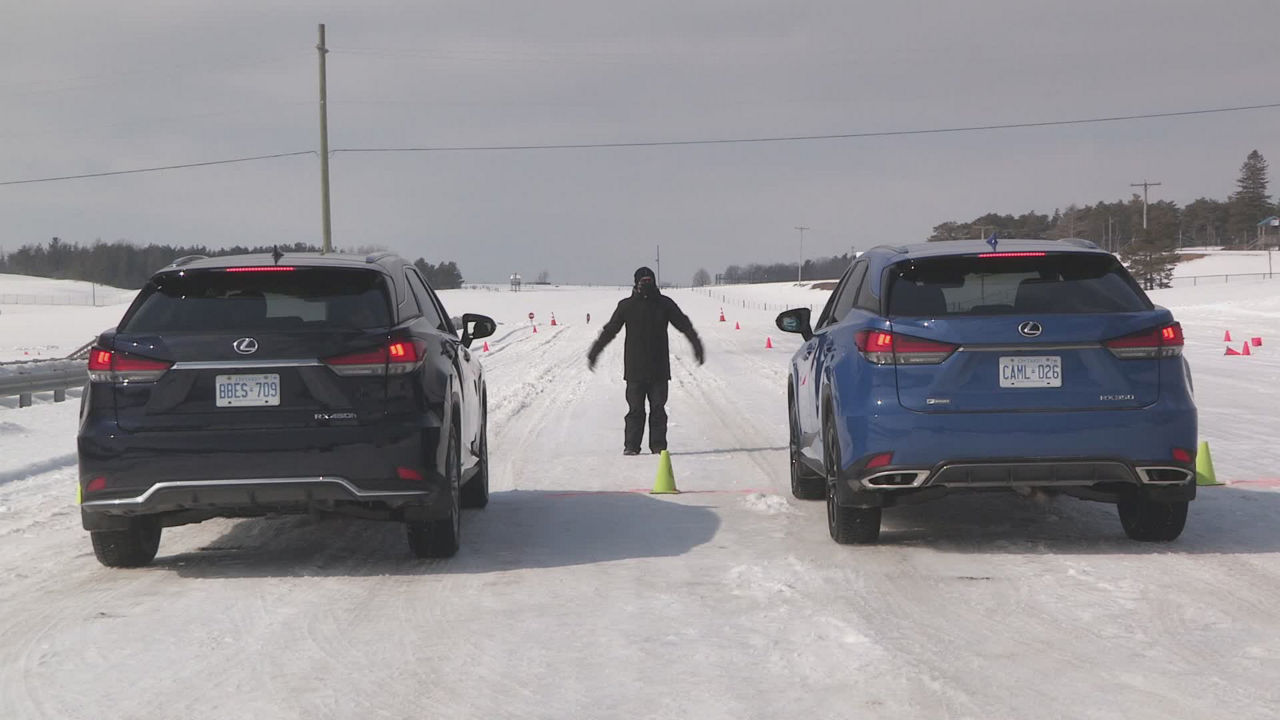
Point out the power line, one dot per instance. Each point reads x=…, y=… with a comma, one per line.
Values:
x=799, y=138
x=158, y=169
x=675, y=143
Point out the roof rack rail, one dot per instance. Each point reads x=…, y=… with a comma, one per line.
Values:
x=375, y=257
x=1080, y=242
x=187, y=260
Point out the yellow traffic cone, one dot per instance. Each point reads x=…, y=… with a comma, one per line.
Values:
x=1204, y=466
x=665, y=484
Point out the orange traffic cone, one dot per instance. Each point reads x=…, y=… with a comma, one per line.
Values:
x=1245, y=351
x=486, y=347
x=721, y=314
x=1226, y=337
x=736, y=326
x=768, y=343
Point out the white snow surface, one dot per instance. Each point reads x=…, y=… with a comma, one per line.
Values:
x=1208, y=263
x=43, y=319
x=578, y=595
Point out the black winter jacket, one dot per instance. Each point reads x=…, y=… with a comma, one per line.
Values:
x=646, y=355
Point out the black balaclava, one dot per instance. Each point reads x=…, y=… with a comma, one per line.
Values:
x=646, y=283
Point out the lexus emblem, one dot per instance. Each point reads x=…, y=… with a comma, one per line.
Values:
x=1030, y=328
x=245, y=346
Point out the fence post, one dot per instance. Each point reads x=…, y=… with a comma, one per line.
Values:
x=59, y=395
x=24, y=400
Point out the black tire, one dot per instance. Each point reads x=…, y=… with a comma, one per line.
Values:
x=1151, y=521
x=805, y=483
x=441, y=538
x=475, y=494
x=847, y=525
x=134, y=546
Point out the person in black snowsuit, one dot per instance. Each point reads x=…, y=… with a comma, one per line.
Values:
x=646, y=357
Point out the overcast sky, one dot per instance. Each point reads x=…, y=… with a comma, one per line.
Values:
x=91, y=87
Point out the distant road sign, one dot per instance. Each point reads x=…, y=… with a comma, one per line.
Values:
x=530, y=316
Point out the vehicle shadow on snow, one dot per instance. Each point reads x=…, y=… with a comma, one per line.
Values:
x=726, y=451
x=1221, y=520
x=518, y=530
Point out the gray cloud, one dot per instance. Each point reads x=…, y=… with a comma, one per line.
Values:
x=91, y=87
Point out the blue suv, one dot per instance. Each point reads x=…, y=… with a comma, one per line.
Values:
x=1035, y=366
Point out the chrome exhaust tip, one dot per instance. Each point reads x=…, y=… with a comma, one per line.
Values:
x=1165, y=475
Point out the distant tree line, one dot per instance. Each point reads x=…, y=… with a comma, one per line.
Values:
x=827, y=268
x=121, y=264
x=1118, y=226
x=1150, y=252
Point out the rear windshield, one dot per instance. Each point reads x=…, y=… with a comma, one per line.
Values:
x=305, y=299
x=1049, y=283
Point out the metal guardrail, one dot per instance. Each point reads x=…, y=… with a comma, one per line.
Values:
x=24, y=379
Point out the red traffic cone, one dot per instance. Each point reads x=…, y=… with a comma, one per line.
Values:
x=736, y=326
x=1245, y=351
x=1231, y=351
x=553, y=319
x=1256, y=342
x=1226, y=337
x=768, y=343
x=721, y=314
x=486, y=347
x=535, y=329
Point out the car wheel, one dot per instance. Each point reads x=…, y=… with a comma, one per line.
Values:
x=134, y=546
x=441, y=538
x=848, y=525
x=805, y=483
x=475, y=494
x=1152, y=521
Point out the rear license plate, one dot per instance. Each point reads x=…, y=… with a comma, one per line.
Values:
x=1031, y=372
x=247, y=390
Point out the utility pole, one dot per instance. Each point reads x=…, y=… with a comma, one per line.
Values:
x=1144, y=185
x=327, y=247
x=800, y=267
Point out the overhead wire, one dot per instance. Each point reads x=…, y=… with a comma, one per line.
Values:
x=800, y=138
x=674, y=143
x=158, y=169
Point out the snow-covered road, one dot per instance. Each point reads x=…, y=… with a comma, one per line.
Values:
x=576, y=596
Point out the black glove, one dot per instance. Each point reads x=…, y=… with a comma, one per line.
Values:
x=591, y=361
x=699, y=354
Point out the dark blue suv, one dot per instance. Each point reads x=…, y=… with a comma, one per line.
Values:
x=252, y=385
x=1039, y=365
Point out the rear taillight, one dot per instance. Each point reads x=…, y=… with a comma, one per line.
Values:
x=111, y=366
x=1158, y=342
x=397, y=357
x=260, y=268
x=886, y=348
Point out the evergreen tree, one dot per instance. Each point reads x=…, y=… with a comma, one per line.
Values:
x=1250, y=203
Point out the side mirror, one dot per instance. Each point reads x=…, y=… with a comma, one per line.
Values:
x=475, y=327
x=796, y=321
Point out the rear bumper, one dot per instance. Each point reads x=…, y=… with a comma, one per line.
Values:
x=194, y=475
x=1102, y=455
x=193, y=501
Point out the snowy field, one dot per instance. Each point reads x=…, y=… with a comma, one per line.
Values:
x=577, y=595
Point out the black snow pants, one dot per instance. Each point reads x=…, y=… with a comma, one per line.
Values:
x=655, y=391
